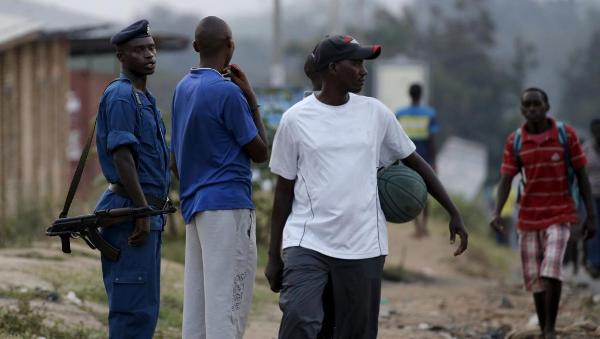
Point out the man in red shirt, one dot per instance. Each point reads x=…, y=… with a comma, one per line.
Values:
x=546, y=207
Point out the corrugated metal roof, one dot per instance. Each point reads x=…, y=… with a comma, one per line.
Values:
x=51, y=19
x=20, y=18
x=13, y=27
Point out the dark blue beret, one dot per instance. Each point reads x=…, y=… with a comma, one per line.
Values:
x=138, y=29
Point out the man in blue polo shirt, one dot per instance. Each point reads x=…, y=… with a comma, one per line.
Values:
x=134, y=159
x=420, y=125
x=217, y=130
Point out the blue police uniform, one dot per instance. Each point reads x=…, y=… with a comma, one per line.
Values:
x=127, y=117
x=133, y=282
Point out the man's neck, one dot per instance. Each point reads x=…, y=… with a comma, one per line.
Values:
x=538, y=127
x=216, y=63
x=333, y=96
x=138, y=82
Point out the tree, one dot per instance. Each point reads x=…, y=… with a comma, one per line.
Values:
x=581, y=102
x=470, y=89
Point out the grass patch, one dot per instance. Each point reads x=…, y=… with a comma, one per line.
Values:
x=173, y=248
x=401, y=274
x=27, y=322
x=28, y=295
x=26, y=225
x=485, y=258
x=40, y=256
x=86, y=283
x=171, y=312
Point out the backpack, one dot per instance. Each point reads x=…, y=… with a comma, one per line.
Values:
x=563, y=138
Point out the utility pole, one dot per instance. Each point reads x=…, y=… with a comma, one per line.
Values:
x=334, y=17
x=361, y=14
x=277, y=76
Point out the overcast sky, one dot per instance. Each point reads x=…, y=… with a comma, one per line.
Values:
x=124, y=10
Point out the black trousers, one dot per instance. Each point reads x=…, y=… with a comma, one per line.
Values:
x=354, y=295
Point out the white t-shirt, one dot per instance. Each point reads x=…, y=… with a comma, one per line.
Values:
x=333, y=153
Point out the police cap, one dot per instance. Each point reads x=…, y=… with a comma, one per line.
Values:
x=138, y=29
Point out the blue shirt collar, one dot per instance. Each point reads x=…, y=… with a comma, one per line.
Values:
x=203, y=70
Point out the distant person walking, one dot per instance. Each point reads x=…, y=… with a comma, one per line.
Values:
x=545, y=149
x=217, y=130
x=592, y=151
x=421, y=125
x=312, y=75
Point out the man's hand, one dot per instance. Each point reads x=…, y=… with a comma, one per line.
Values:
x=274, y=273
x=235, y=73
x=457, y=227
x=497, y=224
x=140, y=232
x=589, y=228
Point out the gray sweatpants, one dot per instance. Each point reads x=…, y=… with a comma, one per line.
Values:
x=220, y=266
x=352, y=303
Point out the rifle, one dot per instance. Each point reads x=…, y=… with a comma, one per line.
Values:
x=86, y=227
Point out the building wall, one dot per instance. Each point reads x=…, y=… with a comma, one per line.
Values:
x=87, y=88
x=34, y=126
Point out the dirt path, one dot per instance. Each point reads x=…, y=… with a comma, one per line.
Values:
x=477, y=295
x=465, y=297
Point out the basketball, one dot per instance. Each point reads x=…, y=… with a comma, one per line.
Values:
x=402, y=193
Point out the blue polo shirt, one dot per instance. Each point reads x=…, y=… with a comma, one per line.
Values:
x=124, y=121
x=211, y=122
x=419, y=123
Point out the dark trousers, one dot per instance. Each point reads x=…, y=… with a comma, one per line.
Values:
x=132, y=284
x=593, y=245
x=355, y=292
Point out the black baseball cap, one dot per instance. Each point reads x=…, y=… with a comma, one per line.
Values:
x=342, y=47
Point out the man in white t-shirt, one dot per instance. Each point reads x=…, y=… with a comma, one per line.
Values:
x=326, y=153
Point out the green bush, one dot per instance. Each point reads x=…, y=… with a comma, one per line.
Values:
x=26, y=225
x=28, y=322
x=474, y=213
x=263, y=202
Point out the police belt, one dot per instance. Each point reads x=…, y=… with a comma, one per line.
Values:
x=151, y=199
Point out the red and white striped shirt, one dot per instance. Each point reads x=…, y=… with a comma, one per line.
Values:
x=545, y=199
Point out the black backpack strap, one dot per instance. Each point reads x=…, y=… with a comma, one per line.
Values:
x=517, y=142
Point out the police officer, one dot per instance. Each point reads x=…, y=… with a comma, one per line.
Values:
x=131, y=145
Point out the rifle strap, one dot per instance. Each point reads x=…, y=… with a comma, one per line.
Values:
x=79, y=169
x=78, y=172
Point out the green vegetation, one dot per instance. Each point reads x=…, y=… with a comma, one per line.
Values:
x=25, y=321
x=85, y=282
x=473, y=213
x=25, y=226
x=483, y=251
x=173, y=248
x=401, y=274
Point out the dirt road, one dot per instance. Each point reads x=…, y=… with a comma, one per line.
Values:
x=477, y=295
x=464, y=297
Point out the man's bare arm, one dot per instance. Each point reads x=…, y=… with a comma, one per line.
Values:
x=435, y=188
x=125, y=166
x=282, y=207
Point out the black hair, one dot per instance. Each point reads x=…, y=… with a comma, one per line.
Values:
x=594, y=122
x=211, y=35
x=539, y=90
x=415, y=91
